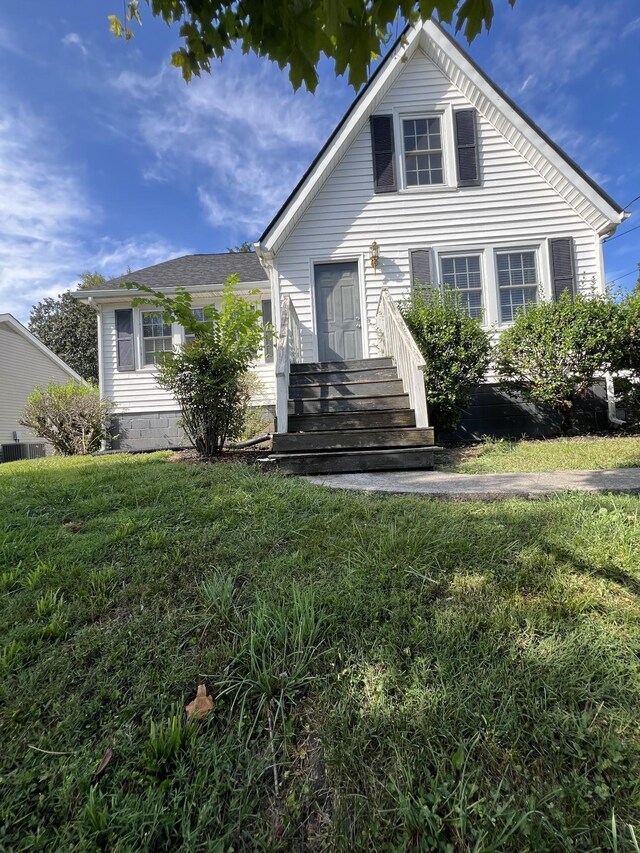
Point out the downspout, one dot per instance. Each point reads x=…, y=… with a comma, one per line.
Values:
x=611, y=401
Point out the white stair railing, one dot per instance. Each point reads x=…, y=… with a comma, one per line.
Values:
x=399, y=345
x=288, y=352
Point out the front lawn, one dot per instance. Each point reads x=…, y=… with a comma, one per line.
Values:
x=557, y=454
x=388, y=673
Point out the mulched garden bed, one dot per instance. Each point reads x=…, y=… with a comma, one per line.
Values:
x=249, y=456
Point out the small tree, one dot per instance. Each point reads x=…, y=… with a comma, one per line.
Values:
x=208, y=377
x=455, y=348
x=241, y=248
x=554, y=351
x=70, y=329
x=72, y=417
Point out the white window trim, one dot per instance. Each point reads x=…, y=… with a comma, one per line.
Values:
x=468, y=253
x=445, y=113
x=543, y=285
x=176, y=337
x=489, y=267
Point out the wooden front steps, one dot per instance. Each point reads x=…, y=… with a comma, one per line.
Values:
x=347, y=417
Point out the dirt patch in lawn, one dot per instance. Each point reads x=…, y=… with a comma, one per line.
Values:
x=248, y=457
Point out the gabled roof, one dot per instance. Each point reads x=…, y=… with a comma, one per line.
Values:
x=189, y=271
x=9, y=321
x=592, y=202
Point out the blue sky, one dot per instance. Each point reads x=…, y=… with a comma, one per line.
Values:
x=108, y=160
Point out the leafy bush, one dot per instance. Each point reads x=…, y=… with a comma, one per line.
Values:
x=554, y=352
x=628, y=357
x=455, y=348
x=209, y=377
x=72, y=417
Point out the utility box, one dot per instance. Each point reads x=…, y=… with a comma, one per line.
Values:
x=23, y=450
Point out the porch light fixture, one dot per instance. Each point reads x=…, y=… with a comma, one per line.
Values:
x=374, y=255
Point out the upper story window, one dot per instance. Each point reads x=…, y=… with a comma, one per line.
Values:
x=463, y=274
x=422, y=140
x=156, y=336
x=518, y=282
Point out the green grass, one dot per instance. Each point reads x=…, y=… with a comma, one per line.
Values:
x=388, y=673
x=558, y=454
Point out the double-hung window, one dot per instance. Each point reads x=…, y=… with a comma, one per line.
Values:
x=462, y=274
x=422, y=139
x=518, y=282
x=156, y=336
x=198, y=314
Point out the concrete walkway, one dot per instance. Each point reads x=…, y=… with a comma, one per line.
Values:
x=439, y=484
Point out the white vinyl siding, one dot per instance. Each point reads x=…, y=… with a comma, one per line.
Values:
x=518, y=282
x=23, y=367
x=422, y=145
x=462, y=274
x=137, y=391
x=515, y=207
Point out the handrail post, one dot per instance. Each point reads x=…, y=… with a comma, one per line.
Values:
x=288, y=352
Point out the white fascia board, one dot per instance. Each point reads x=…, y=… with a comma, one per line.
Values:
x=434, y=34
x=124, y=293
x=352, y=125
x=16, y=326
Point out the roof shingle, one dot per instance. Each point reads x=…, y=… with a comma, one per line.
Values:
x=193, y=271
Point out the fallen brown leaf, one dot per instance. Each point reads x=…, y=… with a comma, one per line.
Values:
x=201, y=705
x=106, y=760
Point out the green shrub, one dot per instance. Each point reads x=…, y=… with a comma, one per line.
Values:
x=628, y=358
x=209, y=377
x=554, y=351
x=454, y=346
x=72, y=417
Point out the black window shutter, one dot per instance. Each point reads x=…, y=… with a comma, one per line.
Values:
x=382, y=146
x=420, y=262
x=267, y=335
x=467, y=148
x=124, y=339
x=563, y=270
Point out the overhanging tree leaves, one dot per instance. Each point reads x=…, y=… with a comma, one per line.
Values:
x=70, y=329
x=297, y=34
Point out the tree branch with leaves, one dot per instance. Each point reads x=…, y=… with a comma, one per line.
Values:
x=353, y=33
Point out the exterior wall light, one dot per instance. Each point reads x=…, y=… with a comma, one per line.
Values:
x=374, y=255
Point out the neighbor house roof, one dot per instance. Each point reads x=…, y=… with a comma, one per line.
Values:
x=190, y=271
x=593, y=203
x=10, y=322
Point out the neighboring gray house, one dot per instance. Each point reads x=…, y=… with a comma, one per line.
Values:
x=25, y=363
x=435, y=175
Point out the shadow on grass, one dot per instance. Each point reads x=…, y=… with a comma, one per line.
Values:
x=477, y=686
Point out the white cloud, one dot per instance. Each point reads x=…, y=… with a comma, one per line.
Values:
x=555, y=45
x=47, y=220
x=632, y=27
x=8, y=42
x=74, y=40
x=241, y=134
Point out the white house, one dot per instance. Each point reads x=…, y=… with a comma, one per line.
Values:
x=25, y=364
x=433, y=175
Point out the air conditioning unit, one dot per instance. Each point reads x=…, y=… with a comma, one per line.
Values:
x=19, y=450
